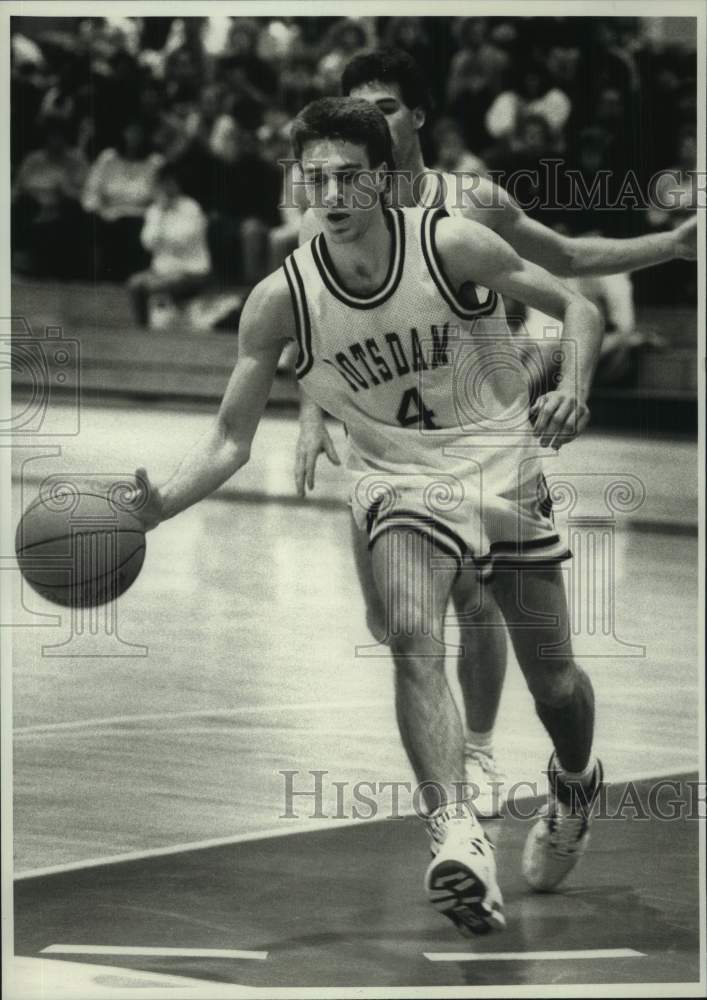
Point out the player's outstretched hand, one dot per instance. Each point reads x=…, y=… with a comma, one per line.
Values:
x=686, y=239
x=148, y=502
x=313, y=440
x=558, y=417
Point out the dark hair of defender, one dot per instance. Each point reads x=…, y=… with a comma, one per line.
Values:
x=388, y=66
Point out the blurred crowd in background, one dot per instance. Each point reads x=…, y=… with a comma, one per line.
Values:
x=116, y=120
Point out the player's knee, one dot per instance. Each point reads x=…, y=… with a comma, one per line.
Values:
x=414, y=662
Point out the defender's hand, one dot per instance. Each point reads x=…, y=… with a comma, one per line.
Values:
x=686, y=239
x=148, y=502
x=558, y=417
x=313, y=440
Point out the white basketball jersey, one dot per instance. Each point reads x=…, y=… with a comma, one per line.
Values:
x=411, y=369
x=443, y=190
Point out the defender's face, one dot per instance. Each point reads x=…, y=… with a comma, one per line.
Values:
x=403, y=122
x=341, y=187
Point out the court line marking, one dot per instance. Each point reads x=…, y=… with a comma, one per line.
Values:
x=38, y=977
x=531, y=956
x=100, y=949
x=312, y=826
x=223, y=713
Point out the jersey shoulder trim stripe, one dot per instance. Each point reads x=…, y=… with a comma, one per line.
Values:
x=303, y=328
x=430, y=219
x=327, y=271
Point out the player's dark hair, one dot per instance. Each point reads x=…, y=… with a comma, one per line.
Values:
x=344, y=118
x=388, y=65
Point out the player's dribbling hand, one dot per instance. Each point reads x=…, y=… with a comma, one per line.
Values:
x=686, y=239
x=558, y=417
x=313, y=440
x=148, y=502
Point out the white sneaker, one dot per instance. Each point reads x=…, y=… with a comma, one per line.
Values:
x=485, y=780
x=561, y=835
x=461, y=879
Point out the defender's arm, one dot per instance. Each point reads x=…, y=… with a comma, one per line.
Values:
x=568, y=256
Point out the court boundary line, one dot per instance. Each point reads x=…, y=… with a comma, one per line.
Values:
x=117, y=721
x=532, y=956
x=313, y=826
x=102, y=949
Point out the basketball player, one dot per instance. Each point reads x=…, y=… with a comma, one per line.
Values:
x=391, y=80
x=391, y=309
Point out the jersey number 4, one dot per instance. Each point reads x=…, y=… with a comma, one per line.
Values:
x=412, y=412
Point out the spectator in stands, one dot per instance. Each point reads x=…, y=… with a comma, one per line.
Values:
x=174, y=233
x=592, y=164
x=563, y=63
x=249, y=81
x=118, y=190
x=275, y=147
x=184, y=74
x=48, y=235
x=533, y=93
x=299, y=83
x=280, y=39
x=61, y=97
x=522, y=149
x=411, y=35
x=452, y=154
x=476, y=74
x=346, y=37
x=518, y=160
x=151, y=111
x=244, y=206
x=611, y=63
x=114, y=99
x=676, y=199
x=676, y=188
x=28, y=85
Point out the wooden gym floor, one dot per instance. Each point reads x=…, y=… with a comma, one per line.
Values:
x=241, y=652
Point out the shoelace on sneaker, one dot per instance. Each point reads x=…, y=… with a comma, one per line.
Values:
x=566, y=830
x=486, y=761
x=438, y=825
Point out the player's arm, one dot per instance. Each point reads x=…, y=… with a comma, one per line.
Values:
x=473, y=253
x=313, y=437
x=567, y=256
x=266, y=323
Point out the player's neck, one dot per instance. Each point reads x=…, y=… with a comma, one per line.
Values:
x=362, y=265
x=410, y=168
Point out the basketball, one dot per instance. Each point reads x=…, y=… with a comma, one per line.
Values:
x=80, y=549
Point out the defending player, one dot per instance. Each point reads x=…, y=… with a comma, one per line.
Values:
x=374, y=303
x=391, y=80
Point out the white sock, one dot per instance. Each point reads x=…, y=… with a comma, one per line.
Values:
x=579, y=777
x=479, y=741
